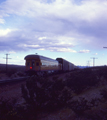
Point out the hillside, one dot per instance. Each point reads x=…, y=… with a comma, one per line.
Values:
x=78, y=95
x=16, y=67
x=12, y=71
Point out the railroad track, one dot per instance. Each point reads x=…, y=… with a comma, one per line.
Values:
x=2, y=82
x=13, y=80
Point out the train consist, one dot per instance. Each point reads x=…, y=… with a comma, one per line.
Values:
x=39, y=64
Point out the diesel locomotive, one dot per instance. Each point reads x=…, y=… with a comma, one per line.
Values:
x=38, y=64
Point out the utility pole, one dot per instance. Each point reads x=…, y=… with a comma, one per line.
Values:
x=94, y=60
x=7, y=62
x=88, y=63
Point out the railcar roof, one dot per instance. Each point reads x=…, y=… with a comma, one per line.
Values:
x=39, y=57
x=61, y=59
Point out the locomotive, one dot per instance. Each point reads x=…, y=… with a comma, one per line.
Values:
x=37, y=64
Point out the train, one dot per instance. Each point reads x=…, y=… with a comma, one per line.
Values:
x=37, y=64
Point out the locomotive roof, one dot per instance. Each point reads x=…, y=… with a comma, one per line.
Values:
x=33, y=56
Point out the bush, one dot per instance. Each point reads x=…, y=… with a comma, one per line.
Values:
x=81, y=80
x=11, y=71
x=7, y=110
x=104, y=93
x=11, y=111
x=79, y=106
x=45, y=94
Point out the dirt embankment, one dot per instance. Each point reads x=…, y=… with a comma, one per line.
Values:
x=14, y=92
x=11, y=92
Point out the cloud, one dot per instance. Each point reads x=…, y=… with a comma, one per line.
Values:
x=55, y=25
x=41, y=38
x=84, y=51
x=62, y=49
x=62, y=9
x=2, y=21
x=4, y=32
x=95, y=54
x=11, y=52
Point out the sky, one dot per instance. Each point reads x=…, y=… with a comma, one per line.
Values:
x=75, y=30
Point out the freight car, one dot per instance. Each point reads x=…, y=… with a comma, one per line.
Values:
x=66, y=66
x=40, y=65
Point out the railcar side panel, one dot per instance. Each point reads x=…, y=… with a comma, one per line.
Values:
x=71, y=66
x=40, y=63
x=66, y=66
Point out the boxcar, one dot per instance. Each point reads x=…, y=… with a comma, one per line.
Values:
x=66, y=66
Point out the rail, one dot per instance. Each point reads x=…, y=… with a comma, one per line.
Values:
x=13, y=80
